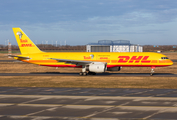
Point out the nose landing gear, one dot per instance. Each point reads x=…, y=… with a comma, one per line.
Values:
x=152, y=71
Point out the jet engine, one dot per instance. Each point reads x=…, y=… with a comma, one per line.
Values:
x=114, y=69
x=97, y=67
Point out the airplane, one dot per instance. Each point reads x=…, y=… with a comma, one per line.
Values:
x=90, y=62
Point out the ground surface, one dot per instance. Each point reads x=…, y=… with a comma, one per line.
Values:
x=87, y=104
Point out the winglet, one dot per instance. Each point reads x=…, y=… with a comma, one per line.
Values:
x=25, y=44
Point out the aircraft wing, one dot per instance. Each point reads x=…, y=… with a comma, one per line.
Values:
x=20, y=57
x=77, y=62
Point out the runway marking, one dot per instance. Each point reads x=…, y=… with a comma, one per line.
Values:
x=88, y=116
x=33, y=100
x=160, y=111
x=65, y=105
x=124, y=104
x=175, y=105
x=49, y=117
x=89, y=97
x=138, y=92
x=39, y=111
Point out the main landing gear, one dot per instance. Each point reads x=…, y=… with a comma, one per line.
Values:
x=85, y=72
x=152, y=71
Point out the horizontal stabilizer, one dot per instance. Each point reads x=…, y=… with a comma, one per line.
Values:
x=20, y=57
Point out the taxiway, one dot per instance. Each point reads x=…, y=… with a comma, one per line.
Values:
x=87, y=103
x=98, y=74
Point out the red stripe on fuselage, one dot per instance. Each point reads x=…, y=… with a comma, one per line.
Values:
x=108, y=66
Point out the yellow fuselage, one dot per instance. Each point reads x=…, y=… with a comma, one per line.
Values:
x=113, y=59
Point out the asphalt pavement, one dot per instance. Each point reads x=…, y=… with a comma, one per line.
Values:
x=87, y=103
x=98, y=74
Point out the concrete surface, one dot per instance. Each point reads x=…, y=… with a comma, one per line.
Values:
x=87, y=104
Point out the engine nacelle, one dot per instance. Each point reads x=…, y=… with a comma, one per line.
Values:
x=97, y=67
x=114, y=69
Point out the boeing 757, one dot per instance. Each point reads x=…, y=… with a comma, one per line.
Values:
x=90, y=62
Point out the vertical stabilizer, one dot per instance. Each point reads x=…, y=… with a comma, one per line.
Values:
x=25, y=44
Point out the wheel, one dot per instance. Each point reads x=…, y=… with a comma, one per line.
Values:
x=84, y=74
x=80, y=73
x=151, y=74
x=91, y=73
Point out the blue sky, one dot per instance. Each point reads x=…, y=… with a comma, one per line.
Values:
x=80, y=22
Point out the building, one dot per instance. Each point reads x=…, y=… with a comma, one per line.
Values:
x=113, y=46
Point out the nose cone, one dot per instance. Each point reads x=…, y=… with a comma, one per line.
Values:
x=171, y=63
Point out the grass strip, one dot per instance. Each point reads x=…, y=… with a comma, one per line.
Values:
x=89, y=82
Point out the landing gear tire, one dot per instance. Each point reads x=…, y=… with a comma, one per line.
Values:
x=151, y=74
x=83, y=74
x=92, y=73
x=80, y=73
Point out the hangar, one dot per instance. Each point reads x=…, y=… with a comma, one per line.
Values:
x=113, y=46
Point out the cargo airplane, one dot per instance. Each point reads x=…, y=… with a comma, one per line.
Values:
x=90, y=62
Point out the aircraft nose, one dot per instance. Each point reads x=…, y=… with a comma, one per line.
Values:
x=171, y=63
x=167, y=62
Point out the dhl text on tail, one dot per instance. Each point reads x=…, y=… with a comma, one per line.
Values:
x=90, y=62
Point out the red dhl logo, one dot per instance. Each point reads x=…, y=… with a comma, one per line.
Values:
x=27, y=45
x=23, y=41
x=135, y=59
x=85, y=57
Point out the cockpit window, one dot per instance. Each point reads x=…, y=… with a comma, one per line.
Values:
x=163, y=58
